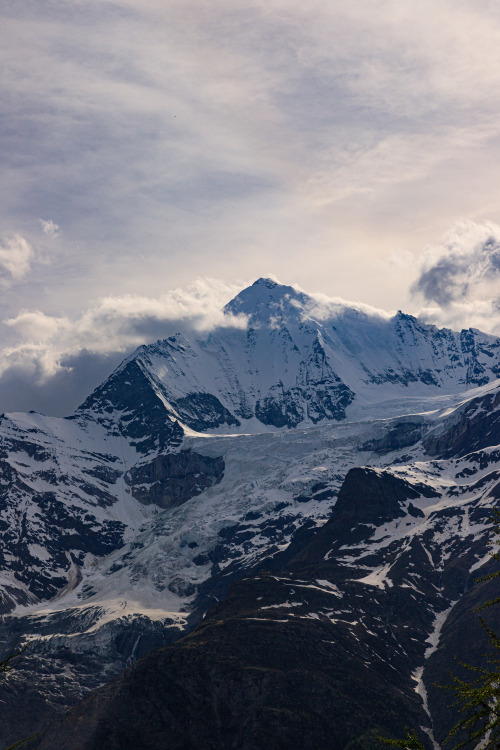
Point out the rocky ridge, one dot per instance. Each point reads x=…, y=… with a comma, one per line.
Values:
x=217, y=461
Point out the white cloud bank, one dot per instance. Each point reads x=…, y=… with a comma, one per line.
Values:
x=113, y=324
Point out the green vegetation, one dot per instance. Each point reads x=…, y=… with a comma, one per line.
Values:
x=410, y=743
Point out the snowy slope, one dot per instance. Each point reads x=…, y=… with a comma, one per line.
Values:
x=299, y=363
x=202, y=460
x=375, y=579
x=68, y=494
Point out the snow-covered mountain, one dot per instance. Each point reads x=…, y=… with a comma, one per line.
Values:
x=297, y=361
x=213, y=458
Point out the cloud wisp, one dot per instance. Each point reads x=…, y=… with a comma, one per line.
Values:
x=16, y=258
x=469, y=255
x=49, y=227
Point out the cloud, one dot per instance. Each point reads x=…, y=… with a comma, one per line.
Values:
x=47, y=348
x=468, y=257
x=458, y=279
x=482, y=314
x=24, y=387
x=321, y=307
x=16, y=256
x=37, y=326
x=49, y=227
x=214, y=137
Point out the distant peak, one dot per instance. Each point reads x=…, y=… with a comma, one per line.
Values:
x=268, y=283
x=267, y=299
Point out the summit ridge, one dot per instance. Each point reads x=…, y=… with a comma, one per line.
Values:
x=298, y=362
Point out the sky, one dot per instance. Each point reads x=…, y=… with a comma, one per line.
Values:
x=159, y=155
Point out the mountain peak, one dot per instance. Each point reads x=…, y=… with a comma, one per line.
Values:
x=266, y=299
x=266, y=282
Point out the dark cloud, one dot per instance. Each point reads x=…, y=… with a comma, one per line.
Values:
x=492, y=249
x=63, y=392
x=469, y=256
x=440, y=284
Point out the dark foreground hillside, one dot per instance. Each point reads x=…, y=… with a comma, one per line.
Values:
x=242, y=683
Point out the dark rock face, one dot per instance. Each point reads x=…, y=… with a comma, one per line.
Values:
x=128, y=404
x=329, y=401
x=368, y=496
x=404, y=377
x=403, y=435
x=203, y=411
x=74, y=535
x=66, y=533
x=472, y=357
x=318, y=394
x=280, y=410
x=477, y=428
x=463, y=641
x=171, y=480
x=285, y=408
x=239, y=682
x=475, y=349
x=42, y=685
